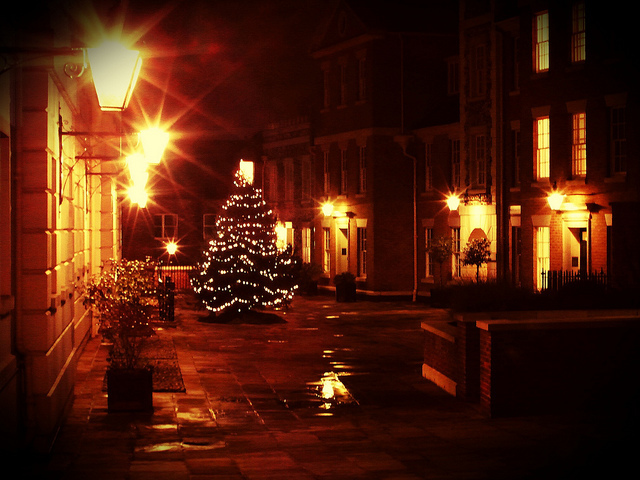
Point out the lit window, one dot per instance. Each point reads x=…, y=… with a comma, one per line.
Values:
x=362, y=252
x=326, y=260
x=306, y=245
x=618, y=139
x=542, y=152
x=579, y=145
x=165, y=226
x=578, y=50
x=363, y=170
x=541, y=43
x=428, y=167
x=543, y=252
x=428, y=240
x=455, y=251
x=327, y=173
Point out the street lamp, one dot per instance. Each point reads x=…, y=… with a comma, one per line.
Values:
x=115, y=71
x=453, y=202
x=114, y=68
x=327, y=209
x=154, y=141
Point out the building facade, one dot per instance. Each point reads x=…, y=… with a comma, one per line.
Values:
x=59, y=221
x=516, y=102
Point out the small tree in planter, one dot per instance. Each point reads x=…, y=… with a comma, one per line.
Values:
x=308, y=276
x=123, y=297
x=345, y=283
x=440, y=251
x=477, y=252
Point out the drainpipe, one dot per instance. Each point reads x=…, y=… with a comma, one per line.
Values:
x=404, y=140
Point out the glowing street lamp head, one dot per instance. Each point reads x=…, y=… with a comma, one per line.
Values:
x=154, y=141
x=327, y=209
x=555, y=200
x=453, y=202
x=172, y=248
x=115, y=71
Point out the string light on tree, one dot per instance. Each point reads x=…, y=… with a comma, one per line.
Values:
x=241, y=269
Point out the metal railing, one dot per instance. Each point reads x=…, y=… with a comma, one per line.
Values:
x=556, y=279
x=171, y=278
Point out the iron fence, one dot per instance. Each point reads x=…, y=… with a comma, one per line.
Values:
x=556, y=279
x=180, y=275
x=171, y=278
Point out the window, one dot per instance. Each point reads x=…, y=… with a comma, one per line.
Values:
x=343, y=84
x=362, y=252
x=272, y=181
x=455, y=251
x=326, y=255
x=515, y=134
x=516, y=64
x=326, y=102
x=428, y=167
x=481, y=160
x=479, y=71
x=288, y=180
x=362, y=184
x=579, y=145
x=453, y=69
x=618, y=139
x=541, y=43
x=428, y=261
x=327, y=173
x=454, y=146
x=578, y=35
x=208, y=226
x=165, y=226
x=542, y=153
x=343, y=172
x=307, y=246
x=362, y=78
x=543, y=252
x=306, y=180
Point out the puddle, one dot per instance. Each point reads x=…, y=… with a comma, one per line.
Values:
x=332, y=393
x=174, y=446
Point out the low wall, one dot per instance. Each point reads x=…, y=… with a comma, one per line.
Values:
x=515, y=363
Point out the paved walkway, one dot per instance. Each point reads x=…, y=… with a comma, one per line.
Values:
x=255, y=408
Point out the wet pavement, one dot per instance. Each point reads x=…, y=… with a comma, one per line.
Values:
x=334, y=392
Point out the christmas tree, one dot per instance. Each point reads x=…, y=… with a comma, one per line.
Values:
x=241, y=270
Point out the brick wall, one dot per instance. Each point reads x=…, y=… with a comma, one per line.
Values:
x=559, y=362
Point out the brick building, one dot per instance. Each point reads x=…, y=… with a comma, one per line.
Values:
x=515, y=102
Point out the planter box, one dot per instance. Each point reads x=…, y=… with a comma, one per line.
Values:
x=130, y=390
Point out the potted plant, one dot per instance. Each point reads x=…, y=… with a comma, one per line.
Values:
x=310, y=273
x=123, y=296
x=345, y=283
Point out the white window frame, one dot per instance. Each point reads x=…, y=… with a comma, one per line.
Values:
x=542, y=153
x=168, y=230
x=579, y=145
x=578, y=34
x=541, y=42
